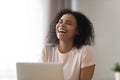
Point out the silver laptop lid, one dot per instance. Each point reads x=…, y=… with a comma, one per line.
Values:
x=39, y=71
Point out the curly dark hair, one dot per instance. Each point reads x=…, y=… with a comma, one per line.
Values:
x=85, y=29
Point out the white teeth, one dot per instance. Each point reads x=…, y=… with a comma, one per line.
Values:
x=61, y=30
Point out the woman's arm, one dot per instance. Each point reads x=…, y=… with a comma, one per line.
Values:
x=87, y=72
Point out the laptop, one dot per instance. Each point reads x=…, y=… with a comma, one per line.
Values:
x=39, y=71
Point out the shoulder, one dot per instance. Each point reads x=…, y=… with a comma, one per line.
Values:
x=87, y=56
x=86, y=50
x=48, y=47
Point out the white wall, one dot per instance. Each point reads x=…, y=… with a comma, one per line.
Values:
x=105, y=15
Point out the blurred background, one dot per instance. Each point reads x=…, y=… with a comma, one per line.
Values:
x=24, y=24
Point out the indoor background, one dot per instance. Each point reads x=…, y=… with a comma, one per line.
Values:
x=24, y=24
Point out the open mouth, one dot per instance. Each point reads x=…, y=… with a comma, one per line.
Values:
x=61, y=31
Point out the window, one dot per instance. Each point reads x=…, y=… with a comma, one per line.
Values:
x=21, y=33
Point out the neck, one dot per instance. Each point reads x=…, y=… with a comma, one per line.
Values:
x=65, y=47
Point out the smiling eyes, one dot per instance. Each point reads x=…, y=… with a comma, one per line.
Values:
x=68, y=22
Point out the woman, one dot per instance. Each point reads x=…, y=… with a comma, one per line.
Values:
x=69, y=42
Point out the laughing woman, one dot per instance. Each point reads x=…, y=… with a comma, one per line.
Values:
x=70, y=41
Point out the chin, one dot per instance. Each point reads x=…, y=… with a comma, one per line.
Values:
x=61, y=38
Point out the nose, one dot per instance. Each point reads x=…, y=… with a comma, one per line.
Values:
x=62, y=25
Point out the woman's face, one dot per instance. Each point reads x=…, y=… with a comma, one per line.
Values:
x=66, y=27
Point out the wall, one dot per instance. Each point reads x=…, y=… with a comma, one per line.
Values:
x=105, y=15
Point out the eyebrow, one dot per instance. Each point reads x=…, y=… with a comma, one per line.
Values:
x=67, y=20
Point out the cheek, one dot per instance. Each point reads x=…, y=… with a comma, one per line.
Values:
x=56, y=27
x=74, y=32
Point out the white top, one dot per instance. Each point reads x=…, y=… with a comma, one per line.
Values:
x=72, y=60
